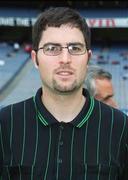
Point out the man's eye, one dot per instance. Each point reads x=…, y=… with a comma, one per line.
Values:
x=75, y=48
x=50, y=48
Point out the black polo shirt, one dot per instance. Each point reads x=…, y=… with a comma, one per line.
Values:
x=35, y=146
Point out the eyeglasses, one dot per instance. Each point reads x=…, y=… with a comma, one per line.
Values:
x=52, y=49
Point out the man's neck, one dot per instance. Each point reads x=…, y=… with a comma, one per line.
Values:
x=63, y=107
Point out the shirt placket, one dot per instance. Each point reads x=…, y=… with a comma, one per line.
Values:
x=60, y=151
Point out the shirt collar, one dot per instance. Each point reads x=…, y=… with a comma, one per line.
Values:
x=48, y=119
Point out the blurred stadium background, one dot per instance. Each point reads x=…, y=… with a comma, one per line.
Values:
x=108, y=21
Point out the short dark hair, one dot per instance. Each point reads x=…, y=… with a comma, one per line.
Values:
x=57, y=16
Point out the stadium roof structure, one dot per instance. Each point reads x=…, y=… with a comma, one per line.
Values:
x=96, y=18
x=75, y=4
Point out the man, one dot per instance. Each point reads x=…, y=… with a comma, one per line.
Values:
x=62, y=133
x=99, y=84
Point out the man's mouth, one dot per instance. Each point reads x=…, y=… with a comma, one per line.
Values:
x=65, y=73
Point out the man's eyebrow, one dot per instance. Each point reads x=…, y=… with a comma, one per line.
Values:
x=52, y=43
x=75, y=43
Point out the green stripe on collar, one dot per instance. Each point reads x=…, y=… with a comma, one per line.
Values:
x=38, y=114
x=88, y=113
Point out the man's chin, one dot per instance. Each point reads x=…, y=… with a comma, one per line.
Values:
x=66, y=90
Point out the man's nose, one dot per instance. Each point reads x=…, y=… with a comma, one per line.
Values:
x=65, y=56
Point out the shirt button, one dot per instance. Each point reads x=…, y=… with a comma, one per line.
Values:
x=61, y=143
x=60, y=161
x=61, y=127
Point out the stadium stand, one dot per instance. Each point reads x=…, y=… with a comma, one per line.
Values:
x=13, y=62
x=114, y=59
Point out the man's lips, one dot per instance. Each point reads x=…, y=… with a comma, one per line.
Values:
x=64, y=73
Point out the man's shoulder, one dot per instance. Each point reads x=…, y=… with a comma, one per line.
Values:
x=108, y=111
x=15, y=108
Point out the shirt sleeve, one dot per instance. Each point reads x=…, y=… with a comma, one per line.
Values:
x=126, y=168
x=1, y=144
x=1, y=151
x=125, y=171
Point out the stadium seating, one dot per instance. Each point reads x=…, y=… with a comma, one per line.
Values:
x=13, y=62
x=115, y=60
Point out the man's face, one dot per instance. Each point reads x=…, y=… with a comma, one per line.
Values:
x=62, y=73
x=105, y=92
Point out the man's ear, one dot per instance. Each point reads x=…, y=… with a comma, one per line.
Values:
x=34, y=59
x=89, y=54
